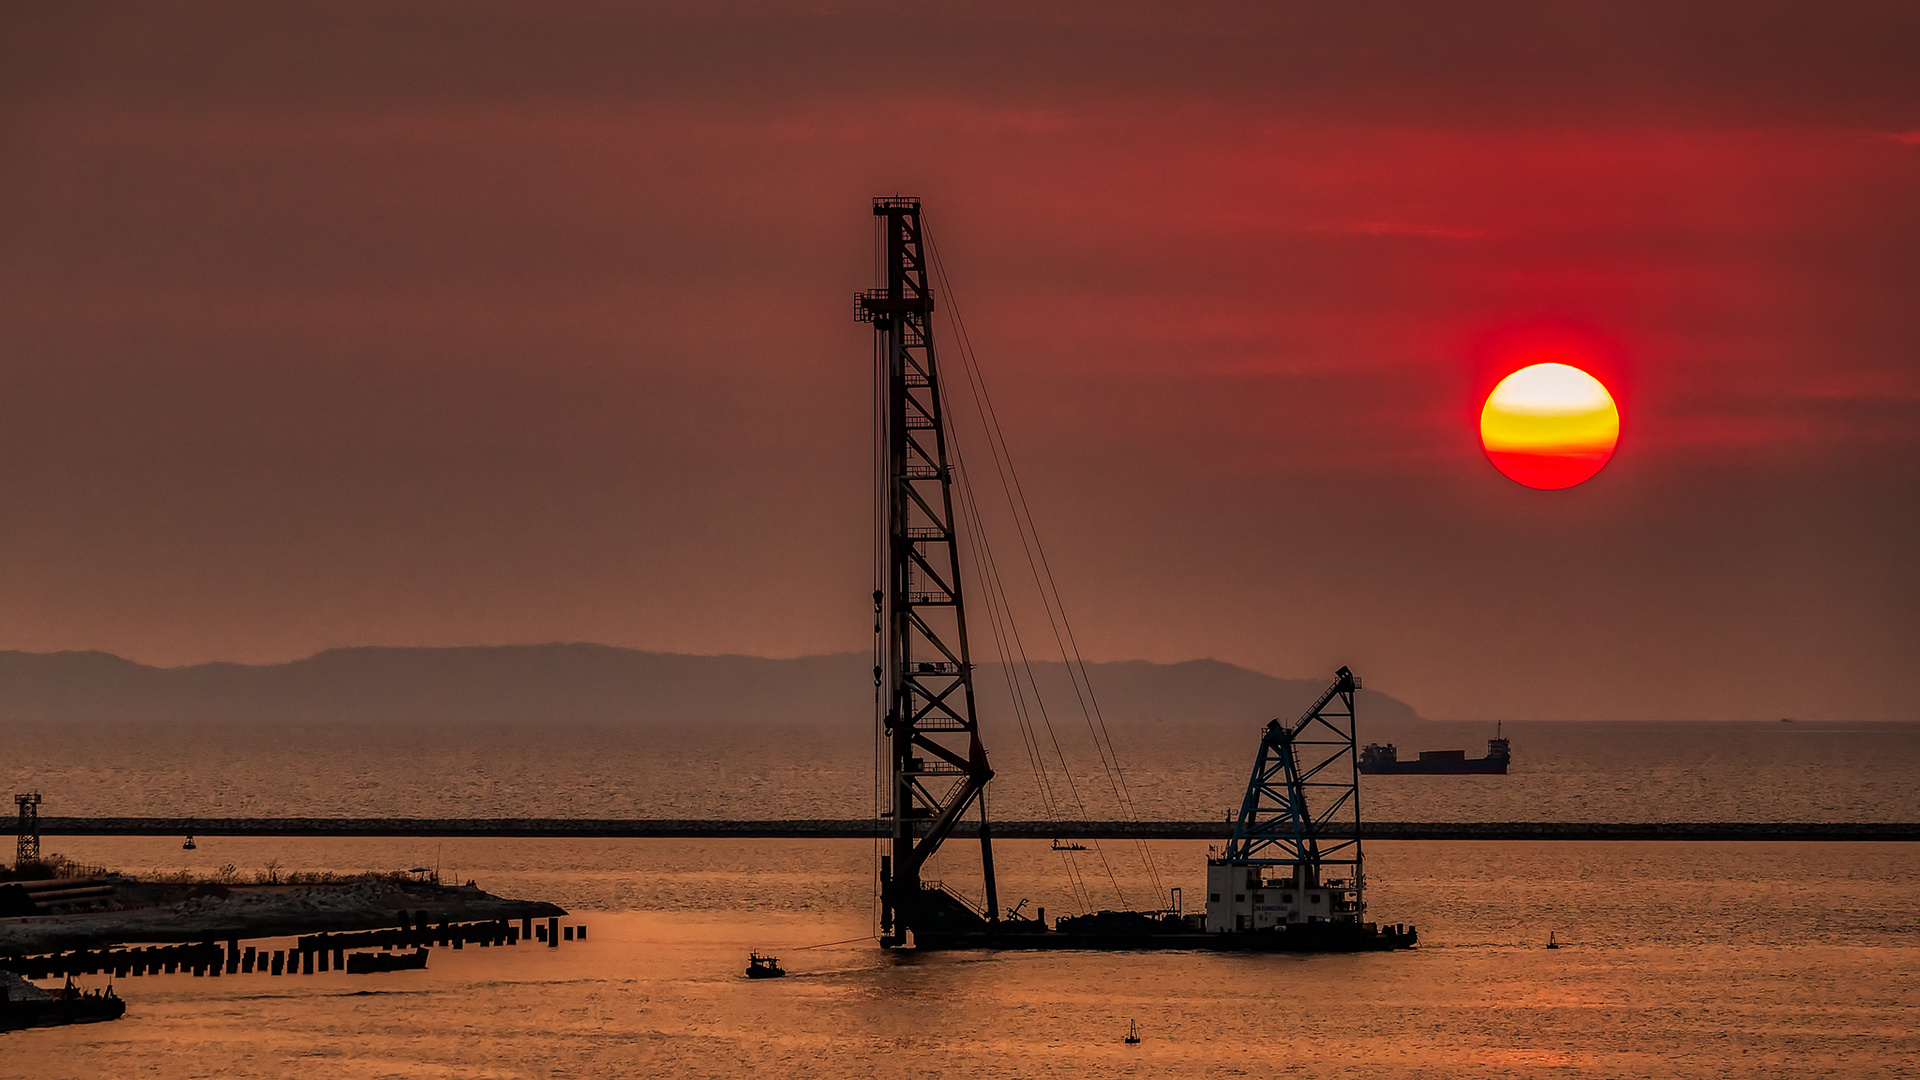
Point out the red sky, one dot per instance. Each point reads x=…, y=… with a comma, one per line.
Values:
x=416, y=323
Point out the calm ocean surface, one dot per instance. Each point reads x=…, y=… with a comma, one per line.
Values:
x=1561, y=771
x=1681, y=959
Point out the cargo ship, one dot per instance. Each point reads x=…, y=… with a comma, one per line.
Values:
x=1376, y=760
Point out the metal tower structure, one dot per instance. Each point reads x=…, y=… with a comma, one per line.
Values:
x=28, y=852
x=1280, y=829
x=938, y=765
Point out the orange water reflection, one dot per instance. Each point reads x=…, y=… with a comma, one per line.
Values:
x=1682, y=960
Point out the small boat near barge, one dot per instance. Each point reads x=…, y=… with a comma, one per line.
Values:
x=68, y=1005
x=764, y=967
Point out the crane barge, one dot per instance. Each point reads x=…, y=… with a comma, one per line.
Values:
x=1291, y=879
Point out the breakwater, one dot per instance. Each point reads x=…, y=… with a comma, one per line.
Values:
x=835, y=828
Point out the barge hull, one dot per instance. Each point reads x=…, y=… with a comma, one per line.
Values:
x=1261, y=941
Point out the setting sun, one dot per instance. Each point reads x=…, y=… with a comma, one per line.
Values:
x=1549, y=426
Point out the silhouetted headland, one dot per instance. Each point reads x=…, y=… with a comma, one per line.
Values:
x=577, y=683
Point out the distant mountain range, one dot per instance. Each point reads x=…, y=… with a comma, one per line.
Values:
x=575, y=683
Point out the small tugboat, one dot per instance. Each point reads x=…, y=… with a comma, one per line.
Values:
x=764, y=967
x=1068, y=846
x=1133, y=1032
x=189, y=845
x=68, y=1005
x=368, y=963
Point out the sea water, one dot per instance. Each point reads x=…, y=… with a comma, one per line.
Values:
x=1678, y=959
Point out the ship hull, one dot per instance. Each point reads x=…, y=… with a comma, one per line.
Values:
x=1474, y=767
x=1295, y=939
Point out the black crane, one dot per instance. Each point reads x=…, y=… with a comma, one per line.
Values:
x=1300, y=817
x=938, y=766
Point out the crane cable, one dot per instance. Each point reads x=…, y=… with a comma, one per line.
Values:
x=1040, y=569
